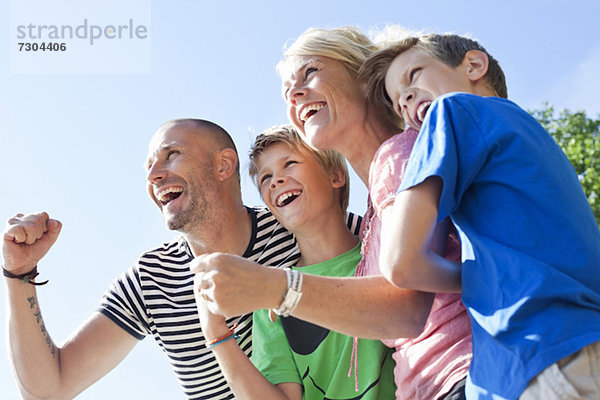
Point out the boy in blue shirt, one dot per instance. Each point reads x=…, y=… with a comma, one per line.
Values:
x=530, y=271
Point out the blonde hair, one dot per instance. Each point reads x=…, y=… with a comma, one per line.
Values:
x=346, y=44
x=329, y=160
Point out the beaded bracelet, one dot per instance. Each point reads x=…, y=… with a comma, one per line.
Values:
x=27, y=277
x=229, y=335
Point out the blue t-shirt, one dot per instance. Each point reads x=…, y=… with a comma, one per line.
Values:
x=530, y=243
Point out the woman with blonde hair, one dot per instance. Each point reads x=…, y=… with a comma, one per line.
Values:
x=328, y=106
x=430, y=333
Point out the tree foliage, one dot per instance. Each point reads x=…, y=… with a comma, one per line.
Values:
x=579, y=137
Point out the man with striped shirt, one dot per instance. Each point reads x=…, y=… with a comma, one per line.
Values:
x=193, y=177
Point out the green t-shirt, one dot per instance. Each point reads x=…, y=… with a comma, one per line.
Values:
x=291, y=350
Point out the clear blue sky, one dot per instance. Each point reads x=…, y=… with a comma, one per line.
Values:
x=73, y=144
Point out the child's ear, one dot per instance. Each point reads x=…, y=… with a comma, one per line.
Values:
x=338, y=178
x=476, y=63
x=226, y=164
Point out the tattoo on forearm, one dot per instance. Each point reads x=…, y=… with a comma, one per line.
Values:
x=31, y=301
x=37, y=313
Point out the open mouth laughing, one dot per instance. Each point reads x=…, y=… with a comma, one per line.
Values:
x=310, y=110
x=168, y=194
x=422, y=111
x=286, y=198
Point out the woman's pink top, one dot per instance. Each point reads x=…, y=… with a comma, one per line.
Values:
x=429, y=365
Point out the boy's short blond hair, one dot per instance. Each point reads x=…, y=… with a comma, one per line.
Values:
x=329, y=160
x=449, y=49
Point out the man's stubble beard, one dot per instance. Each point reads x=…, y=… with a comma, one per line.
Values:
x=199, y=212
x=186, y=217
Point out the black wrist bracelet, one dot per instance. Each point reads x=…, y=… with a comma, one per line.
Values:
x=27, y=277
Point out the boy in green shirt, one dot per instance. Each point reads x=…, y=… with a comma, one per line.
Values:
x=307, y=191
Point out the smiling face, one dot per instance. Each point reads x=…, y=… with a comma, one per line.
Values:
x=180, y=178
x=323, y=100
x=415, y=79
x=295, y=187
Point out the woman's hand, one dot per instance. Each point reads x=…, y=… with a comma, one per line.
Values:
x=232, y=285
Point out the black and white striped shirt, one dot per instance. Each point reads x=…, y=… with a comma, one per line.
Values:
x=155, y=297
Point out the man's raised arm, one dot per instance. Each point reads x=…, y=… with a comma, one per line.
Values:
x=43, y=369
